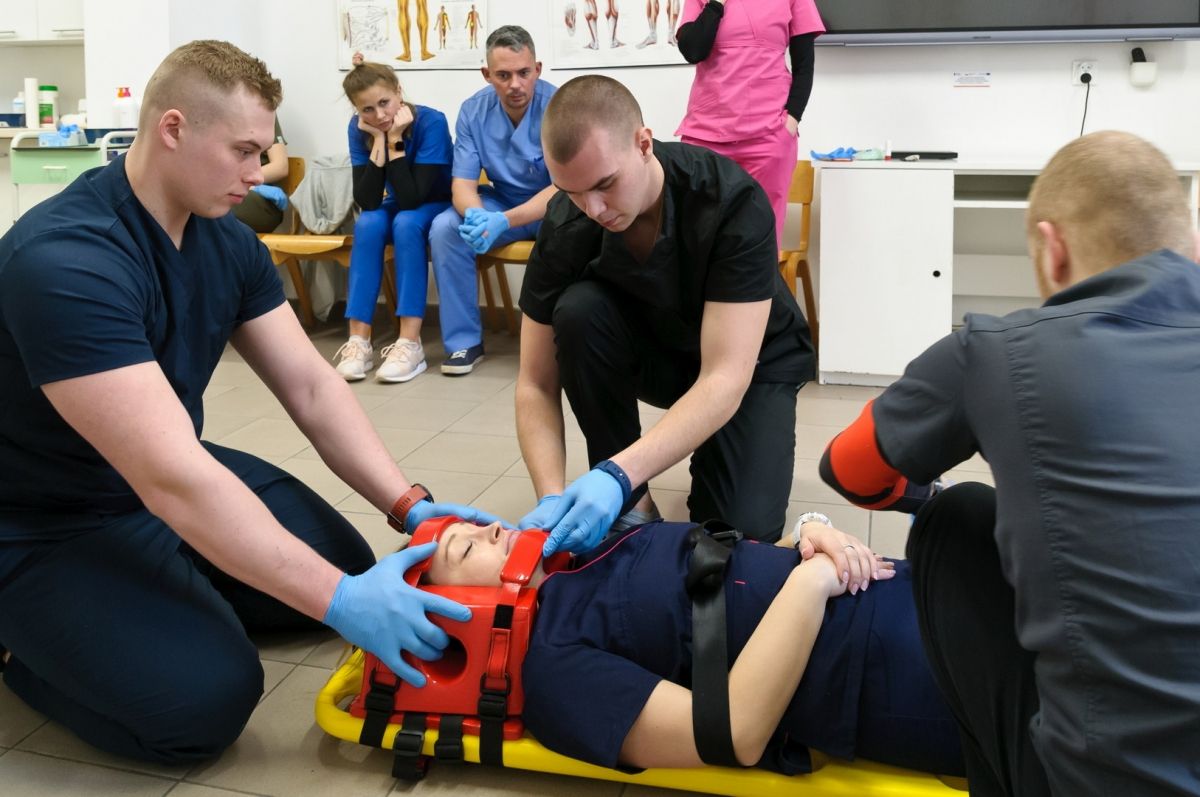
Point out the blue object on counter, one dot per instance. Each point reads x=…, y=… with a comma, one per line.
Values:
x=273, y=194
x=13, y=119
x=66, y=136
x=839, y=154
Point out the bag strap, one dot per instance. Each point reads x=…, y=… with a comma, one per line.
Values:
x=712, y=544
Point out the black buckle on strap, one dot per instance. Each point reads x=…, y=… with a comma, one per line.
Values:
x=408, y=764
x=493, y=705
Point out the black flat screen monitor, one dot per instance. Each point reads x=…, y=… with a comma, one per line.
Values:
x=867, y=22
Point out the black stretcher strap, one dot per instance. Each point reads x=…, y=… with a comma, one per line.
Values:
x=408, y=764
x=712, y=543
x=379, y=703
x=449, y=744
x=494, y=688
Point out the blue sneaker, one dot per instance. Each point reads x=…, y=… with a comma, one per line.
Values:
x=463, y=361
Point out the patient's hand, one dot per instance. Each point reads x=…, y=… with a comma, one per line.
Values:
x=856, y=562
x=828, y=569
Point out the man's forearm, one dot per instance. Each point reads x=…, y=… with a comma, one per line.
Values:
x=534, y=209
x=226, y=523
x=696, y=416
x=464, y=195
x=540, y=434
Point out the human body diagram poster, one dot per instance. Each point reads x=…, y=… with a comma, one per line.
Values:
x=606, y=33
x=413, y=34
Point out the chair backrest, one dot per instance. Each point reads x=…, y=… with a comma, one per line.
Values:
x=294, y=176
x=801, y=193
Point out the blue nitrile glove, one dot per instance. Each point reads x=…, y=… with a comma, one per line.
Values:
x=584, y=514
x=423, y=510
x=481, y=228
x=541, y=514
x=379, y=612
x=273, y=194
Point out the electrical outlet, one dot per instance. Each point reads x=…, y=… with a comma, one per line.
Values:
x=1078, y=68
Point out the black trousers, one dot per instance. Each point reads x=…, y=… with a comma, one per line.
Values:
x=135, y=642
x=610, y=354
x=965, y=610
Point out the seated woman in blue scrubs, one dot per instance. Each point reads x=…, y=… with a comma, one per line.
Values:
x=401, y=156
x=609, y=659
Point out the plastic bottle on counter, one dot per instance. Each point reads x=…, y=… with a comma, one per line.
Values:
x=48, y=106
x=125, y=110
x=18, y=105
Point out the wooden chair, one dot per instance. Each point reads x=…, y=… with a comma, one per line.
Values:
x=516, y=252
x=288, y=249
x=793, y=263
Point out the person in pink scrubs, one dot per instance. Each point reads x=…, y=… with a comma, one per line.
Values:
x=744, y=104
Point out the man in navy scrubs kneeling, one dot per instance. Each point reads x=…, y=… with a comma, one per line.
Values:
x=133, y=557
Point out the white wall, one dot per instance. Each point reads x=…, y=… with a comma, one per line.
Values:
x=58, y=65
x=861, y=96
x=123, y=43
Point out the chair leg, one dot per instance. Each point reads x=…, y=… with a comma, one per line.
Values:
x=489, y=297
x=510, y=320
x=787, y=269
x=810, y=304
x=389, y=292
x=302, y=298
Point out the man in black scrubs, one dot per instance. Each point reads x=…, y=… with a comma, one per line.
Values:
x=655, y=277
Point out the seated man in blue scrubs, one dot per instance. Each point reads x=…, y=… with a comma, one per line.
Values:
x=499, y=130
x=608, y=672
x=134, y=557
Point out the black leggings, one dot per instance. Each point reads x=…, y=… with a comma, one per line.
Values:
x=966, y=613
x=136, y=643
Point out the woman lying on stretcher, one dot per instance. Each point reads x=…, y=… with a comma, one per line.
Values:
x=607, y=674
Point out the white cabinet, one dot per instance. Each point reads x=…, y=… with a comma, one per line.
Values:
x=60, y=20
x=904, y=250
x=41, y=21
x=18, y=20
x=886, y=259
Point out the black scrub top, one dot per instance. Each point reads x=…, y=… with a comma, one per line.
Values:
x=717, y=244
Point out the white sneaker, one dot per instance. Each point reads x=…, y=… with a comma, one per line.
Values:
x=356, y=358
x=403, y=360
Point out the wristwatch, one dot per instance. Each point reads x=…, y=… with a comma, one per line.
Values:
x=399, y=512
x=808, y=517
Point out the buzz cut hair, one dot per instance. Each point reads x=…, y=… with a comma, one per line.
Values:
x=1115, y=197
x=197, y=76
x=512, y=37
x=585, y=104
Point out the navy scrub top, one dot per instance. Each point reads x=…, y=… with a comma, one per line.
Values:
x=608, y=632
x=90, y=282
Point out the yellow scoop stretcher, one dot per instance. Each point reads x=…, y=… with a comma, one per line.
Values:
x=830, y=777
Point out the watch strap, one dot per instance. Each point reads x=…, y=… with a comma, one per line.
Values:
x=399, y=511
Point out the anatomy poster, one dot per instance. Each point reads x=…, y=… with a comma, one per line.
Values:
x=413, y=34
x=605, y=33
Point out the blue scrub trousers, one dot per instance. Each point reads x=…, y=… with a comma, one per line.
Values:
x=408, y=232
x=135, y=642
x=454, y=271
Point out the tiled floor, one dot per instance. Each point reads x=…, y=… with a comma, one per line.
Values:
x=458, y=437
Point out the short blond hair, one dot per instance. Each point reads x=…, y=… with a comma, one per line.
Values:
x=196, y=76
x=582, y=105
x=1114, y=197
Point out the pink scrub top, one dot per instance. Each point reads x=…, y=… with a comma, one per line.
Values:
x=742, y=86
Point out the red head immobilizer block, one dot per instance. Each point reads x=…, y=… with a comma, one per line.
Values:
x=485, y=653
